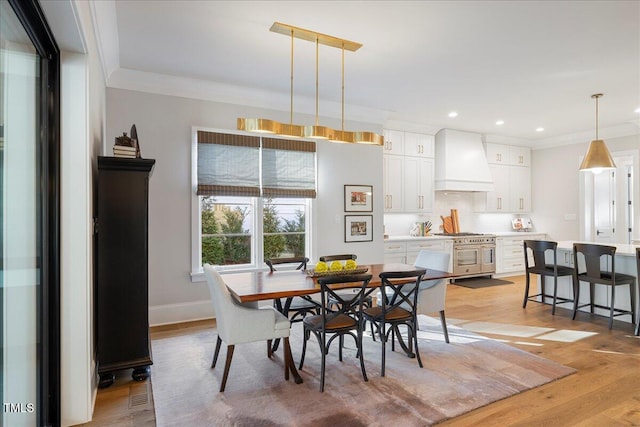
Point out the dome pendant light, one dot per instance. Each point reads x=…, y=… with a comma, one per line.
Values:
x=598, y=157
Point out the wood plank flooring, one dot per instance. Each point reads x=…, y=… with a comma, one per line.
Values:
x=604, y=392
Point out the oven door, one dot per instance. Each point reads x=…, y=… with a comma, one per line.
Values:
x=467, y=260
x=489, y=259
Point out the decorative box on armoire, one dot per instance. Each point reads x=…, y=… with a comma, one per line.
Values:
x=122, y=272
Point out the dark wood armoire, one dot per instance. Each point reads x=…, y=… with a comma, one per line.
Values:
x=122, y=272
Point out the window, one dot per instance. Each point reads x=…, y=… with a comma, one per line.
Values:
x=253, y=199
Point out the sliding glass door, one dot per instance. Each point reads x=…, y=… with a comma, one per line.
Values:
x=29, y=277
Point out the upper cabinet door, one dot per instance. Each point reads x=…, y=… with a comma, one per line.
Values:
x=520, y=156
x=393, y=142
x=498, y=154
x=418, y=145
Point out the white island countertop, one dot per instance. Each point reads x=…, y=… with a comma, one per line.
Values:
x=621, y=248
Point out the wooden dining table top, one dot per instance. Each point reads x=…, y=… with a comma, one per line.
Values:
x=265, y=285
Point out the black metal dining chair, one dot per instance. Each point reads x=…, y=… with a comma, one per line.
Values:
x=299, y=306
x=336, y=323
x=398, y=308
x=592, y=255
x=637, y=332
x=539, y=249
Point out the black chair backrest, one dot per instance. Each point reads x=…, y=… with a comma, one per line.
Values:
x=405, y=295
x=351, y=304
x=301, y=261
x=592, y=254
x=342, y=257
x=538, y=248
x=638, y=266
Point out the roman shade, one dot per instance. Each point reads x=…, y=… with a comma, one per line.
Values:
x=242, y=165
x=288, y=168
x=228, y=165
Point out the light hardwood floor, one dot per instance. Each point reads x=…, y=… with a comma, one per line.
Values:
x=605, y=391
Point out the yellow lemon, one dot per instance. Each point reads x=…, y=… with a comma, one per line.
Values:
x=322, y=267
x=336, y=266
x=350, y=265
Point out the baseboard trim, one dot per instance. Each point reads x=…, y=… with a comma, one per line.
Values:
x=177, y=313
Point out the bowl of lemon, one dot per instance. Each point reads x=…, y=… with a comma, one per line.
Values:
x=336, y=268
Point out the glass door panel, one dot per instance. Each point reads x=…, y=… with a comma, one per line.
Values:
x=20, y=215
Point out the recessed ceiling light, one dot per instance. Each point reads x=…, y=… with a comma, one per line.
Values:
x=500, y=122
x=637, y=110
x=539, y=129
x=453, y=114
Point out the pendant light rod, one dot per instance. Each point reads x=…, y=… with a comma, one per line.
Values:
x=317, y=90
x=596, y=96
x=343, y=86
x=291, y=102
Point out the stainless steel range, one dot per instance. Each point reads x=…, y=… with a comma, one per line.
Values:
x=474, y=254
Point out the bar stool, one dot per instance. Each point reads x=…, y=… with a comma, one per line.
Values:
x=592, y=254
x=544, y=270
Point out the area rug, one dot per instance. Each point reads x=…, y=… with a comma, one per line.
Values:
x=470, y=372
x=482, y=282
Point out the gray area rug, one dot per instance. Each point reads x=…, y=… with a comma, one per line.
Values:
x=482, y=282
x=470, y=372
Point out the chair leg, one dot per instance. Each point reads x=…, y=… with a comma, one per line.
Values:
x=576, y=297
x=227, y=365
x=359, y=343
x=632, y=298
x=373, y=335
x=323, y=358
x=555, y=294
x=591, y=292
x=340, y=344
x=217, y=351
x=526, y=290
x=269, y=349
x=287, y=358
x=443, y=320
x=305, y=337
x=612, y=303
x=383, y=338
x=414, y=330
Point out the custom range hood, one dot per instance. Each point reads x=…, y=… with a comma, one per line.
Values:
x=461, y=163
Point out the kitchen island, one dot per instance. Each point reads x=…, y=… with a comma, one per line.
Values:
x=625, y=261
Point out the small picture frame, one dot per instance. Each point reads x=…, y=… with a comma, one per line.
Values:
x=358, y=228
x=358, y=198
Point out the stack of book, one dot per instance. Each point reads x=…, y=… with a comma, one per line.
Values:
x=124, y=151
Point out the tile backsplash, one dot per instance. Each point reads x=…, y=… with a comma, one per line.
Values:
x=470, y=221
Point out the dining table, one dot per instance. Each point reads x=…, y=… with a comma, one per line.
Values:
x=265, y=285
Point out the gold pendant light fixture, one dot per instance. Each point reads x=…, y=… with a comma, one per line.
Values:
x=312, y=131
x=598, y=157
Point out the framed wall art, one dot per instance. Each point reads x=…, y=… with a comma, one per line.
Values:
x=358, y=228
x=358, y=198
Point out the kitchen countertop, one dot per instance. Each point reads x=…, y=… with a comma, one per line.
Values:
x=621, y=248
x=444, y=237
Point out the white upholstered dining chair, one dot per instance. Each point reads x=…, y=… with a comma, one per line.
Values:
x=432, y=295
x=239, y=324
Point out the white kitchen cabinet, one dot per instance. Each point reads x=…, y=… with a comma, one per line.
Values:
x=393, y=142
x=406, y=251
x=498, y=199
x=519, y=189
x=520, y=156
x=408, y=172
x=418, y=145
x=418, y=184
x=393, y=182
x=502, y=154
x=510, y=253
x=511, y=174
x=395, y=252
x=497, y=154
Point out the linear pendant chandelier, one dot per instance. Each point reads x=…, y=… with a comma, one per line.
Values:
x=314, y=131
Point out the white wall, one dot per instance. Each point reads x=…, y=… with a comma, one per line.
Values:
x=164, y=129
x=555, y=186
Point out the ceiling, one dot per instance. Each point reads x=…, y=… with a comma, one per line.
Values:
x=532, y=64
